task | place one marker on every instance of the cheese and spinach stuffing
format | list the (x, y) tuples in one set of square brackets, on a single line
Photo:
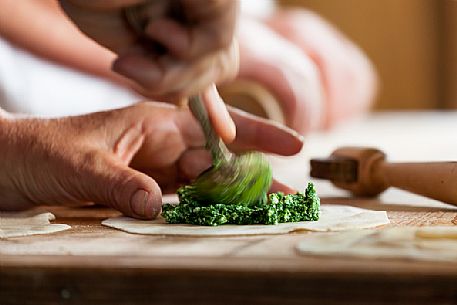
[(273, 209)]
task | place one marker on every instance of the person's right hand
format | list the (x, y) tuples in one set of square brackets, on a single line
[(123, 158), (196, 36)]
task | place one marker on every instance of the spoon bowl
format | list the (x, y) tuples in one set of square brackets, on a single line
[(244, 180), (232, 179)]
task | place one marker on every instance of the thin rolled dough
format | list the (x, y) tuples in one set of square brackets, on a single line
[(17, 224), (332, 218), (414, 243)]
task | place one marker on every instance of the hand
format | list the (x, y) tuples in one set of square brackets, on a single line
[(348, 77), (123, 158), (319, 77), (197, 36)]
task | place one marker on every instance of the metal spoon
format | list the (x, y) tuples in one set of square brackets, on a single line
[(231, 179)]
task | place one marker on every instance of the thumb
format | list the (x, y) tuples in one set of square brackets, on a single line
[(125, 189)]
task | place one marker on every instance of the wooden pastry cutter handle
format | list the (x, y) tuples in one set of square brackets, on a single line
[(365, 172)]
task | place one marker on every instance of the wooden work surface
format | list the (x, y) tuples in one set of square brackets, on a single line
[(92, 264)]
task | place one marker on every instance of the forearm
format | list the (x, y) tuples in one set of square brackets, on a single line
[(10, 198), (40, 27)]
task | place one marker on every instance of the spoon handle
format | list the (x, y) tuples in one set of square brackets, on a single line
[(219, 151)]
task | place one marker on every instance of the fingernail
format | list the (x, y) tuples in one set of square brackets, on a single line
[(153, 207), (138, 203)]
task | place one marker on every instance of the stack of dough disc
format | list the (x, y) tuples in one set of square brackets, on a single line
[(16, 224), (416, 243)]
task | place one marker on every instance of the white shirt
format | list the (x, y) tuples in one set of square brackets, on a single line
[(33, 85)]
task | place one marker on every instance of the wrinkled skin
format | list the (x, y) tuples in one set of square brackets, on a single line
[(83, 159)]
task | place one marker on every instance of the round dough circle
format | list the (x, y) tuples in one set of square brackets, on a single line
[(19, 224), (332, 218)]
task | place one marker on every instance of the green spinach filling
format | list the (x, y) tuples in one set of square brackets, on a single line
[(277, 208)]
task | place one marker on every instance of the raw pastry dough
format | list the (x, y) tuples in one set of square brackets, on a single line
[(333, 218), (418, 243), (15, 224)]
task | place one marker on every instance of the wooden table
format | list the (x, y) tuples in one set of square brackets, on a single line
[(91, 264)]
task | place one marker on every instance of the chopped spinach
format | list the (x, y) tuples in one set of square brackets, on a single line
[(278, 208)]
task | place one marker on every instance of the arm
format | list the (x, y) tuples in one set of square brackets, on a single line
[(40, 27)]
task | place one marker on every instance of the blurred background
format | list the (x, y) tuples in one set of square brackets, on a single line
[(413, 44)]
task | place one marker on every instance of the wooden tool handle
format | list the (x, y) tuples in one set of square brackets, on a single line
[(437, 180), (364, 171)]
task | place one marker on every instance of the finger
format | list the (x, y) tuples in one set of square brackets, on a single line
[(120, 187), (260, 134), (168, 76), (170, 34), (139, 66), (277, 186), (206, 28), (193, 162), (220, 118)]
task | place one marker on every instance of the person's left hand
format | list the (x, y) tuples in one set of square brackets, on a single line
[(123, 158)]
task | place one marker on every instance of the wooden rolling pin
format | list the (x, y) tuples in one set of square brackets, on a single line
[(365, 172)]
